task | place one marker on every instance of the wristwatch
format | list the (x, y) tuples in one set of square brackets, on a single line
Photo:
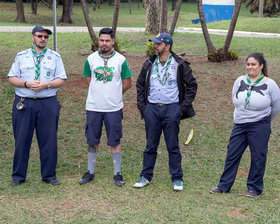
[(49, 85)]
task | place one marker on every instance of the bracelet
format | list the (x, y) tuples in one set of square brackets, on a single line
[(25, 84)]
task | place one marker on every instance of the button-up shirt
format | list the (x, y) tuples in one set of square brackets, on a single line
[(24, 68), (169, 92)]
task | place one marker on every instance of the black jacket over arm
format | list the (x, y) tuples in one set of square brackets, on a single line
[(186, 83)]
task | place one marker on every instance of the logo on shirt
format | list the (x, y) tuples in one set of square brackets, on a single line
[(102, 75), (243, 87)]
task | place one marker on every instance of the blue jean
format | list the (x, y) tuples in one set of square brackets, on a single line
[(256, 136), (166, 119), (42, 115)]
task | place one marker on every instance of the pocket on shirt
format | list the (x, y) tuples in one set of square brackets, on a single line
[(26, 67), (48, 71)]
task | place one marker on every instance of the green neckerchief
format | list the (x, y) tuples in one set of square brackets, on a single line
[(251, 85), (163, 80), (39, 57), (105, 75)]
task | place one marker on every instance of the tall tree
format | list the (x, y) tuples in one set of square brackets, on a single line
[(205, 32), (20, 12), (116, 15), (175, 17), (261, 8), (270, 7), (163, 16), (222, 53), (66, 12), (34, 6), (174, 2), (94, 39), (152, 16)]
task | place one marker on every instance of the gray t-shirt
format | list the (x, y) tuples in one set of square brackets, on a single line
[(264, 100)]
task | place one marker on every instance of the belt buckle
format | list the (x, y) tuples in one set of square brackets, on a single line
[(160, 104), (35, 98)]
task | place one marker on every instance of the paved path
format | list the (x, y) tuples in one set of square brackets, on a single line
[(68, 29)]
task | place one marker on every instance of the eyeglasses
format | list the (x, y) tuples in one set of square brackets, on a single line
[(41, 36)]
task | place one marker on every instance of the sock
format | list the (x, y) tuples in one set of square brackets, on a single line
[(117, 162), (91, 161)]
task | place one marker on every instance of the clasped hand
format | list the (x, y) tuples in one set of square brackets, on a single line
[(37, 85)]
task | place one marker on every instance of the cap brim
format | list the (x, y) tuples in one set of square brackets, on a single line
[(156, 40), (48, 31)]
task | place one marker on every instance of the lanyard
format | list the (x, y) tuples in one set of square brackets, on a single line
[(163, 80)]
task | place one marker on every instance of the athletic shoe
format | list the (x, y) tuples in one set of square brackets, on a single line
[(216, 190), (251, 194), (86, 178), (119, 180), (177, 185), (142, 182)]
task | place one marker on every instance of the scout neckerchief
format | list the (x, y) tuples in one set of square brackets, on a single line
[(163, 80), (39, 57), (251, 85), (105, 64)]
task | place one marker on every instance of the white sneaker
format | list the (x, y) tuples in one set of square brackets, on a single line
[(177, 185), (142, 182)]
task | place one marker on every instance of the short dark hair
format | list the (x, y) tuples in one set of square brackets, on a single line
[(260, 58), (108, 31)]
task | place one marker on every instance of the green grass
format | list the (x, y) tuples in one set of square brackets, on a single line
[(202, 159), (104, 16)]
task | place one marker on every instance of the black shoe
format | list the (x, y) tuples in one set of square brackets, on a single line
[(251, 194), (119, 180), (52, 182), (216, 190), (16, 183), (86, 178)]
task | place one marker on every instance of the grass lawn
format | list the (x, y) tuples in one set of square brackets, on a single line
[(202, 160), (104, 16)]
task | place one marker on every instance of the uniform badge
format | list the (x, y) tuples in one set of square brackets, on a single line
[(48, 73), (170, 82)]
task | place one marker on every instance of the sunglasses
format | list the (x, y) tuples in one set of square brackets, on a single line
[(41, 36)]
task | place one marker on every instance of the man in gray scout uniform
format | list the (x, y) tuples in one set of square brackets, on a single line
[(166, 89), (36, 74)]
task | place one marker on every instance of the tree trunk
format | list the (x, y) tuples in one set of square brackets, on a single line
[(232, 27), (261, 8), (206, 35), (20, 12), (152, 17), (94, 39), (173, 5), (66, 12), (34, 6), (163, 16), (116, 16), (176, 15)]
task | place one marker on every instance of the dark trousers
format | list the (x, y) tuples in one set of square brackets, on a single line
[(42, 115), (256, 136), (166, 119)]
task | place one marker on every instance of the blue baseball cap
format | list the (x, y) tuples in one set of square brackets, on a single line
[(163, 37), (40, 28)]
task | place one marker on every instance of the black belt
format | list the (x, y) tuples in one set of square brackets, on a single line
[(36, 98), (160, 104)]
